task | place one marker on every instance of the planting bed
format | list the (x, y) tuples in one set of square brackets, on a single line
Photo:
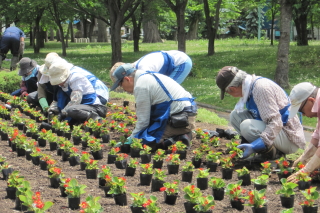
[(40, 182)]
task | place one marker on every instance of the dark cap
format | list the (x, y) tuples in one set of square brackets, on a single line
[(118, 74), (224, 78)]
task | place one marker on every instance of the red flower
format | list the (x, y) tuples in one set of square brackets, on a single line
[(162, 189)]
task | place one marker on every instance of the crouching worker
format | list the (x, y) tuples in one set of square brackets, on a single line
[(28, 70), (305, 98), (77, 98), (165, 110), (265, 122)]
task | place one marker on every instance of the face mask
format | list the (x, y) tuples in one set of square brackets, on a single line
[(33, 74)]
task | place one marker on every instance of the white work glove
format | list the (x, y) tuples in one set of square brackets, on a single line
[(21, 48), (313, 164), (308, 153)]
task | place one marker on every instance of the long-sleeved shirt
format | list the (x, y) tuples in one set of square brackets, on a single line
[(148, 92), (270, 98), (316, 108)]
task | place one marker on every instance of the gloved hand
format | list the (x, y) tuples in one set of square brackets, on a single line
[(313, 164), (308, 153), (128, 141), (62, 116), (44, 104), (21, 48), (54, 108), (25, 93), (255, 146)]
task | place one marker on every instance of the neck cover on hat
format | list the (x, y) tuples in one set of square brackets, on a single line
[(245, 92), (33, 74)]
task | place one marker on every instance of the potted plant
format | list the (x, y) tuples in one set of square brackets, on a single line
[(22, 189), (76, 134), (104, 134), (92, 169), (170, 192), (227, 170), (52, 139), (84, 159), (198, 132), (146, 174), (121, 160), (304, 181), (50, 164), (179, 148), (244, 175), (112, 155), (202, 179), (260, 182), (151, 205), (214, 141), (74, 157), (257, 201), (66, 147), (91, 205), (108, 184), (218, 186), (266, 168), (96, 129), (96, 148), (310, 195), (187, 172), (285, 169), (34, 202), (6, 170), (205, 204), (135, 148), (192, 194), (173, 163), (213, 160), (13, 182), (64, 182), (235, 191), (56, 175), (84, 139), (118, 190), (158, 180), (42, 139), (105, 170), (74, 190), (286, 193), (197, 158), (138, 199), (131, 167), (145, 154), (43, 162), (158, 158)]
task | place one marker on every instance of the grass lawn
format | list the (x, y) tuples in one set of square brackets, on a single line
[(252, 56)]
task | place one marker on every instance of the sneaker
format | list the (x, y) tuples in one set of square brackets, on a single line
[(185, 139), (168, 142)]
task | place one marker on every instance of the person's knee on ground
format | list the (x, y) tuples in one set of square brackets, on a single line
[(184, 138), (82, 115)]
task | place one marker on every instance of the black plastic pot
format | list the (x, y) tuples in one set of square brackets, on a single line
[(227, 173), (63, 191), (59, 133), (137, 209), (20, 126), (170, 199), (111, 159), (84, 144), (83, 166), (246, 179), (125, 103), (259, 186), (35, 160), (186, 176), (105, 138), (43, 165), (29, 134), (281, 175), (218, 194), (157, 164), (28, 156), (121, 164), (42, 142), (74, 160), (309, 209), (182, 154), (106, 189), (11, 192), (145, 158), (102, 182), (55, 182), (59, 151), (125, 148), (65, 156), (74, 203), (130, 171), (35, 136), (202, 183), (121, 199), (287, 202), (98, 155), (19, 205), (135, 153), (145, 179), (196, 163), (4, 136), (302, 185), (67, 135), (173, 169), (212, 166), (189, 207), (53, 146), (156, 185), (237, 204), (91, 173), (21, 152), (14, 147), (263, 209), (76, 140)]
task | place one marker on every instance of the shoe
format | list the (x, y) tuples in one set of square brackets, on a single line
[(168, 142), (221, 132), (243, 140), (185, 139), (230, 134), (45, 126), (270, 155), (211, 133)]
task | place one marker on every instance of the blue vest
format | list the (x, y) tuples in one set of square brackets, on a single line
[(253, 109), (168, 64), (159, 116)]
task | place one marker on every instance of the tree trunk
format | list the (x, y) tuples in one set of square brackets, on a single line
[(282, 70), (51, 34), (193, 29), (91, 26), (272, 26), (63, 44), (136, 32), (71, 31), (36, 47), (31, 36), (181, 24), (42, 38), (58, 35), (302, 33), (150, 23), (102, 31)]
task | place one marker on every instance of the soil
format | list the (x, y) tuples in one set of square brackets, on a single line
[(40, 182)]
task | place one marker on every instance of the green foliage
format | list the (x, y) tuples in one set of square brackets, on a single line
[(207, 116), (287, 188), (9, 81), (74, 189)]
